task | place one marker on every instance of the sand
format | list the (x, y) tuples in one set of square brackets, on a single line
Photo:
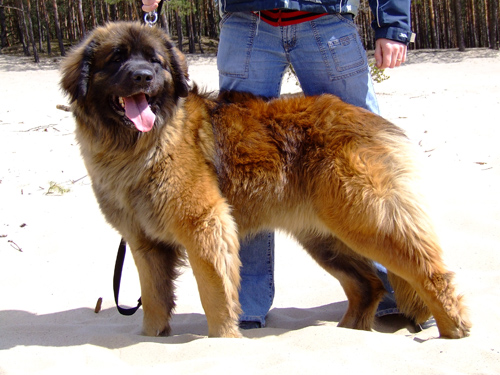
[(57, 252)]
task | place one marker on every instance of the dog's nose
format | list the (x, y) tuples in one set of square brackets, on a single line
[(142, 76)]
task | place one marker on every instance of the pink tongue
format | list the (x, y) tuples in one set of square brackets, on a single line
[(138, 111)]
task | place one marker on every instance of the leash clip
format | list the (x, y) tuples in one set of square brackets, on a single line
[(151, 18)]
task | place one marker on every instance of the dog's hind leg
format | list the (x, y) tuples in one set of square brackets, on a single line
[(157, 265), (405, 242), (356, 274), (408, 301), (377, 213)]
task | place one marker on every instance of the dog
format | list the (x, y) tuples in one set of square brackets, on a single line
[(177, 172)]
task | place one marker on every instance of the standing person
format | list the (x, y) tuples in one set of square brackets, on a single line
[(318, 38)]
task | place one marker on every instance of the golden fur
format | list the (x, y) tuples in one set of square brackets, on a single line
[(212, 170)]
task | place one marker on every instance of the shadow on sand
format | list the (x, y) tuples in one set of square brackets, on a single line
[(110, 330)]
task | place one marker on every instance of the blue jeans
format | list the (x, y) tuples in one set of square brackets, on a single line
[(328, 57), (257, 277), (326, 54)]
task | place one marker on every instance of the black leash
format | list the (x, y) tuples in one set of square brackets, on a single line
[(160, 6), (120, 258)]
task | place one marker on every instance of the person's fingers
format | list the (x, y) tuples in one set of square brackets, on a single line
[(387, 58), (149, 8), (401, 55), (383, 53), (378, 56), (392, 54), (149, 5), (389, 54)]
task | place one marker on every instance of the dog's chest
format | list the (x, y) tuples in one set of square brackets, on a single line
[(117, 183)]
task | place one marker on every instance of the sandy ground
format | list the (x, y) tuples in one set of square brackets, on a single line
[(57, 252)]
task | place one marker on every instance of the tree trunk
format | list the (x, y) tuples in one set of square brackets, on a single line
[(493, 23), (136, 12), (47, 25), (104, 11), (163, 19), (81, 22), (70, 16), (434, 37), (57, 26), (190, 30), (23, 30), (178, 24), (107, 12), (459, 29), (3, 28), (198, 26), (113, 12), (414, 23), (39, 24), (31, 35), (473, 23), (447, 24), (212, 24), (93, 14), (482, 27)]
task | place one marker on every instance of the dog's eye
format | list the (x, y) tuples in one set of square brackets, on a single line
[(118, 56), (155, 60)]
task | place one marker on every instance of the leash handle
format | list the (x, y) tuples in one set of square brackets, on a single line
[(120, 259), (152, 17)]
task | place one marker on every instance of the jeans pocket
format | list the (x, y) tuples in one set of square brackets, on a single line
[(224, 18), (235, 44), (348, 54)]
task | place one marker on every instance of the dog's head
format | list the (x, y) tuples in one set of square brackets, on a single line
[(126, 73)]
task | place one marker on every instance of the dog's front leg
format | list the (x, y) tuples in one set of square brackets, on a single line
[(212, 246), (157, 264)]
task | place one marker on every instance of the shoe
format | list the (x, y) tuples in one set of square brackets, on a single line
[(387, 306), (250, 325)]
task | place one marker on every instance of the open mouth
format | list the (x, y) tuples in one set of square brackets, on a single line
[(137, 109)]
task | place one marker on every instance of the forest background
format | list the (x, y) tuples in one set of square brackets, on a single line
[(50, 27)]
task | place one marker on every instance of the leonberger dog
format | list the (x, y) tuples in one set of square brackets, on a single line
[(177, 172)]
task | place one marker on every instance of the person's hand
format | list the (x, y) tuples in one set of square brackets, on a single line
[(388, 53), (149, 5)]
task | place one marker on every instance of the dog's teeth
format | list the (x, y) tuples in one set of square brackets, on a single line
[(121, 101)]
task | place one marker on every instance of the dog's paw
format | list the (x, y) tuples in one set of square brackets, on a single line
[(227, 332), (156, 331), (461, 330)]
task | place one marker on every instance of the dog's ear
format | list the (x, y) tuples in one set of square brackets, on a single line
[(179, 69), (76, 70)]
